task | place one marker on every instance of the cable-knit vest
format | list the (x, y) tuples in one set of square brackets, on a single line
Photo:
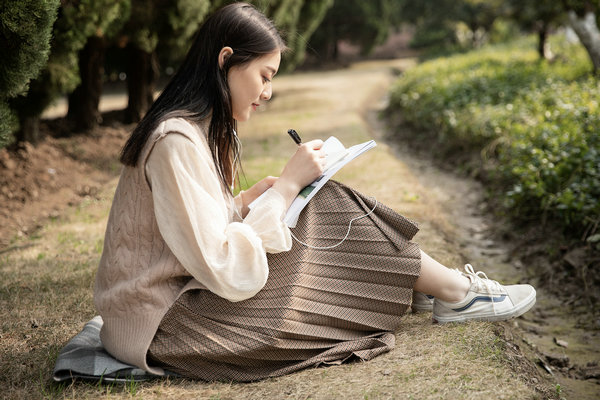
[(138, 278)]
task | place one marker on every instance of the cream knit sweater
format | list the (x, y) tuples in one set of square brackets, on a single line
[(173, 228)]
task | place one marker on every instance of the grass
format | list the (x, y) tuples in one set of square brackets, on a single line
[(46, 288)]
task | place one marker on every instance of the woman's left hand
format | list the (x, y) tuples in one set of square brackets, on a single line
[(248, 196)]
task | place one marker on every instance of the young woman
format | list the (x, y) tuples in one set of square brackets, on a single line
[(193, 281)]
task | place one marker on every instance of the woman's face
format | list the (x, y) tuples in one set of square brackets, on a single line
[(249, 84)]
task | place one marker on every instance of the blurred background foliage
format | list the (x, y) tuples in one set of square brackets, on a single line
[(73, 47), (512, 82)]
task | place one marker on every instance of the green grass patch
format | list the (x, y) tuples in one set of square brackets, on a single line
[(531, 125)]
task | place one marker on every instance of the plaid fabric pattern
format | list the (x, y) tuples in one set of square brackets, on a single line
[(318, 306)]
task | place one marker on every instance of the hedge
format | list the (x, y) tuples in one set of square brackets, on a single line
[(534, 125)]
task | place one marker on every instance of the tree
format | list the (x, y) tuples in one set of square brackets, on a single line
[(479, 16), (151, 30), (109, 17), (438, 22), (539, 17), (583, 17), (25, 31), (434, 21), (167, 24), (77, 20), (364, 23), (298, 20)]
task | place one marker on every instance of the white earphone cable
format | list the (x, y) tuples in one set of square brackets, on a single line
[(345, 237), (235, 170)]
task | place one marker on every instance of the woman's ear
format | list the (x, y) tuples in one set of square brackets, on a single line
[(224, 54)]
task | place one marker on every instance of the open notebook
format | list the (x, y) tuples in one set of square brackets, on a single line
[(336, 157)]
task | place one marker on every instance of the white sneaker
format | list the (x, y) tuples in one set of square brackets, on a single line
[(421, 302), (487, 300)]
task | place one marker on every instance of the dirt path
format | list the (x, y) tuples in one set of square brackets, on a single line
[(559, 337), (475, 360)]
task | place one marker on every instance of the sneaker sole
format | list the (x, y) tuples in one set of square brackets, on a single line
[(514, 313)]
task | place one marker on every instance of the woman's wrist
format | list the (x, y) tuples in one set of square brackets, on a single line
[(254, 192), (288, 189)]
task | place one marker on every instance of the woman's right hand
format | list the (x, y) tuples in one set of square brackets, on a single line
[(304, 167)]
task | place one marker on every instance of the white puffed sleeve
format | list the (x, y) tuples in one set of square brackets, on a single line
[(227, 257)]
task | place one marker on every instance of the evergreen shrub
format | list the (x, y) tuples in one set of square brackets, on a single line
[(25, 32)]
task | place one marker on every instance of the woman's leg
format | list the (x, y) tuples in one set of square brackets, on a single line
[(440, 281)]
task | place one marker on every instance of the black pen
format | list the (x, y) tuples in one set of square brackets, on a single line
[(295, 137)]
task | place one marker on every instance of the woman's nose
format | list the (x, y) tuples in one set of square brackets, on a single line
[(267, 92)]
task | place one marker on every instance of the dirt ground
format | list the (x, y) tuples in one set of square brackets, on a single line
[(55, 199), (37, 183)]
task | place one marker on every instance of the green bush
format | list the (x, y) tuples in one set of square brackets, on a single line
[(535, 125), (25, 32)]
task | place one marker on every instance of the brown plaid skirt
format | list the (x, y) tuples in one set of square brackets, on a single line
[(318, 305)]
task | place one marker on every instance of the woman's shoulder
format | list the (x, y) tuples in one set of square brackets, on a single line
[(178, 139), (181, 125), (180, 136), (180, 128)]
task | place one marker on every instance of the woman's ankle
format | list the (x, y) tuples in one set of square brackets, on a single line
[(456, 292)]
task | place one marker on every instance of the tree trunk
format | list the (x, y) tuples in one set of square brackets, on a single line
[(330, 43), (30, 129), (142, 73), (83, 102), (335, 50), (542, 39), (587, 30)]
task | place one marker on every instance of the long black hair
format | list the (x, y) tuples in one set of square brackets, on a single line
[(199, 89)]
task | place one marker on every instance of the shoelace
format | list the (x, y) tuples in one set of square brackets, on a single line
[(481, 278)]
